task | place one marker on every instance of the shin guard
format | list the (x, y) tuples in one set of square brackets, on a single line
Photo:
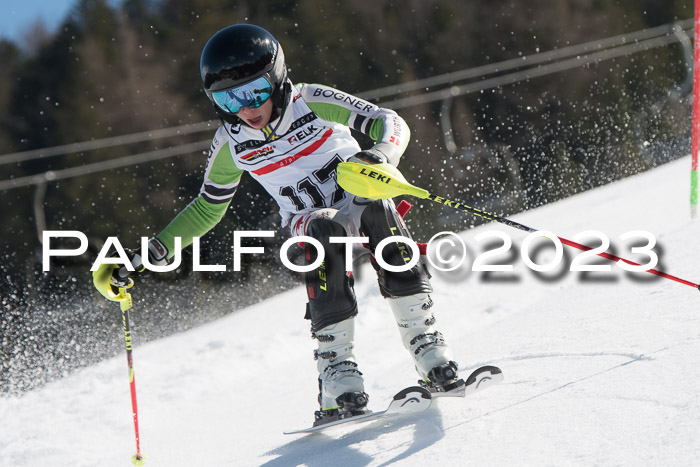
[(329, 287), (379, 221)]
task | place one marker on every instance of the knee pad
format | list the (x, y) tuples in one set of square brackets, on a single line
[(380, 220), (329, 287)]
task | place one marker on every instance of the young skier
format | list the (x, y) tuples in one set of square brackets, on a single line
[(291, 139)]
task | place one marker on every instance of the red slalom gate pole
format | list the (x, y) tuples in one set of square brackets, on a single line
[(695, 145)]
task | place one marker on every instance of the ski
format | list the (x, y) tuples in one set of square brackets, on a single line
[(418, 399), (479, 379), (410, 400)]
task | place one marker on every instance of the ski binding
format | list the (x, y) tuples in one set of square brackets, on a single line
[(412, 399), (480, 378)]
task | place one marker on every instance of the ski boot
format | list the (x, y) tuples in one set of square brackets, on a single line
[(433, 359), (341, 387)]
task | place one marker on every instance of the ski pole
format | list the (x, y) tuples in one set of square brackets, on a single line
[(382, 181), (124, 299)]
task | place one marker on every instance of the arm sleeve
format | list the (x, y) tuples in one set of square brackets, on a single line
[(386, 128), (221, 179)]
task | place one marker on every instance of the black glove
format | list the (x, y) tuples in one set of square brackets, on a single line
[(120, 275), (157, 256), (369, 157)]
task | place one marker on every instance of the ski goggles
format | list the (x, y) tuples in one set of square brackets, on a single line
[(251, 95)]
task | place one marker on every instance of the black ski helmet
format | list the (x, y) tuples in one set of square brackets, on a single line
[(239, 54)]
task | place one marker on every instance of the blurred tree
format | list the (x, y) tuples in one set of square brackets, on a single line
[(9, 61)]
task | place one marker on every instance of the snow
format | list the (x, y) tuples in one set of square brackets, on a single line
[(596, 372)]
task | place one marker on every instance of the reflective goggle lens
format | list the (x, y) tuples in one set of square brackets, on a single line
[(252, 95)]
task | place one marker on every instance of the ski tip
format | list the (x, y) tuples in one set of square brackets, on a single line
[(494, 370), (485, 373), (413, 391)]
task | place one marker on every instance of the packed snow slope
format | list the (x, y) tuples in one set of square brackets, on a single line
[(599, 370)]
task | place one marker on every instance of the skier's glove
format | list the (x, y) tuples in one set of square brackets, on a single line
[(157, 256), (369, 157)]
